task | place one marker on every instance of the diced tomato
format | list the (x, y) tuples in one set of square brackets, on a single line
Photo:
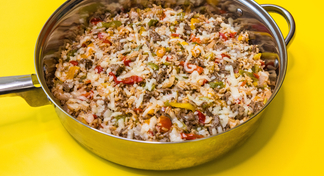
[(201, 117), (151, 132), (75, 63), (222, 11), (237, 101), (256, 75), (95, 21), (98, 69), (193, 38), (198, 68), (168, 58), (138, 110), (262, 63), (232, 34), (175, 35), (95, 116), (126, 61), (223, 36), (190, 136), (101, 36), (165, 123)]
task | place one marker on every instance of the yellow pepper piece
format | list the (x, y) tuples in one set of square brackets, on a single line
[(257, 56), (161, 52), (141, 30), (72, 71), (184, 106), (184, 43), (195, 51), (192, 23), (240, 38)]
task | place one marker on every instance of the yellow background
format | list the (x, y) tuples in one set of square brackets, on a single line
[(289, 140)]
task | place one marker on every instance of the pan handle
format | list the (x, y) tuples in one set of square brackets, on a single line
[(287, 15), (12, 84), (25, 86)]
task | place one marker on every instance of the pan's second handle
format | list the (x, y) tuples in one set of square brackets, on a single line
[(25, 86), (289, 18), (13, 84)]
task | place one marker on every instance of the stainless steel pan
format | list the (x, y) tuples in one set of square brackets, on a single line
[(65, 24)]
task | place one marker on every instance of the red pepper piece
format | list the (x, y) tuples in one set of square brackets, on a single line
[(101, 36), (138, 110), (175, 35), (225, 55), (115, 77), (190, 136), (132, 80), (98, 69), (75, 63), (256, 75), (88, 95), (222, 11), (204, 82), (95, 21), (129, 80), (232, 34), (243, 83), (163, 15), (201, 117), (223, 36), (95, 116), (126, 61)]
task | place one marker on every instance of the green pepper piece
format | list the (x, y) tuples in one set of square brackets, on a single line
[(166, 63), (120, 117), (180, 46), (219, 84), (153, 54), (152, 22), (242, 72), (138, 47), (256, 69), (69, 54), (167, 49), (83, 77), (181, 15), (153, 66), (172, 28), (114, 24), (209, 56)]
